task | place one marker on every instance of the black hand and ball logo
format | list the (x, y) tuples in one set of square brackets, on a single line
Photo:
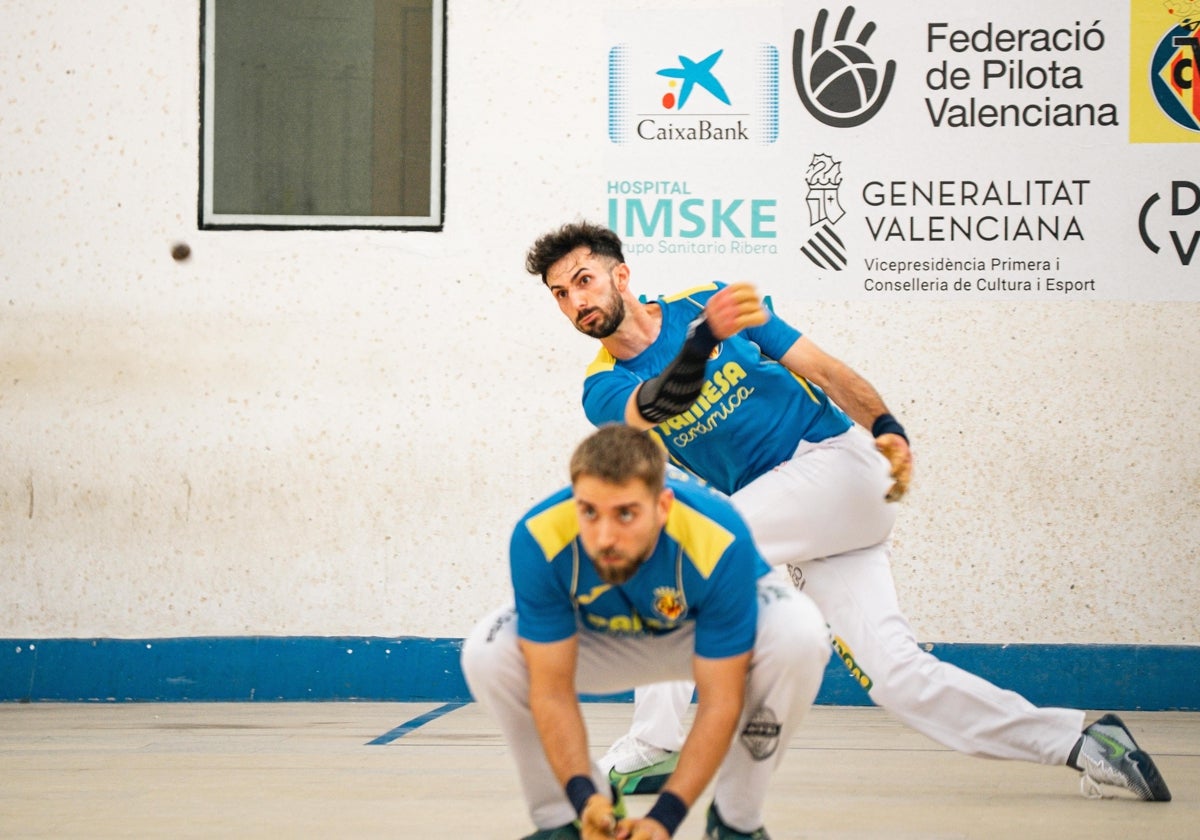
[(838, 82)]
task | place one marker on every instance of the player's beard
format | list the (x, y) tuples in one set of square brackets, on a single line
[(617, 575), (613, 313)]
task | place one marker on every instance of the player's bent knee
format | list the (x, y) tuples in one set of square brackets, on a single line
[(798, 633), (474, 664), (809, 622), (490, 653), (814, 647)]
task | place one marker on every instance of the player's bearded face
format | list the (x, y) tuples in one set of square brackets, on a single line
[(601, 319), (619, 524), (587, 291), (616, 567)]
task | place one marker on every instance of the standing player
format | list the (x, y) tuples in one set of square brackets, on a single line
[(626, 577), (739, 398)]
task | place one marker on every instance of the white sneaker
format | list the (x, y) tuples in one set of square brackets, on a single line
[(635, 766)]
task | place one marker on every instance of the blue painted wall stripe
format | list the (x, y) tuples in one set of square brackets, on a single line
[(418, 669), (416, 723)]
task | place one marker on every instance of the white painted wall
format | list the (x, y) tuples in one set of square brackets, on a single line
[(332, 433)]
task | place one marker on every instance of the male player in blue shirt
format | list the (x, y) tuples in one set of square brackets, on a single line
[(628, 577), (738, 397)]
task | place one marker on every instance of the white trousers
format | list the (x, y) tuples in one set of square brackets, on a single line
[(791, 650), (823, 515)]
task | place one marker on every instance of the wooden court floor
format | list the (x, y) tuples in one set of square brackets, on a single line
[(413, 770)]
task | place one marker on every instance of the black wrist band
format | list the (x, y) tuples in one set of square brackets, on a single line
[(668, 810), (700, 339), (886, 424), (579, 790)]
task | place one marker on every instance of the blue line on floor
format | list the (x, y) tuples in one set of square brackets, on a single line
[(404, 728)]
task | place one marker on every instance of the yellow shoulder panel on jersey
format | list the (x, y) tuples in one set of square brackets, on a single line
[(604, 361), (703, 540), (707, 287), (554, 528)]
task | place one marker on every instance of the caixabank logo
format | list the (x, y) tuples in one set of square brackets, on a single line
[(1164, 72), (660, 93), (839, 82)]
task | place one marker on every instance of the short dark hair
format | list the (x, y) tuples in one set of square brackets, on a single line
[(553, 246), (616, 453)]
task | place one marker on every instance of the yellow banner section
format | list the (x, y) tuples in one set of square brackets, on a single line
[(1164, 85)]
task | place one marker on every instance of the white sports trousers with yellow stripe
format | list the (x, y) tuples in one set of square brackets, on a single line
[(823, 514)]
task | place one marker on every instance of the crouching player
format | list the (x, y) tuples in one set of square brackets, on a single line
[(628, 577)]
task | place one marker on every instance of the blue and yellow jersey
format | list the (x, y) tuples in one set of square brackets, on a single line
[(703, 570), (752, 413)]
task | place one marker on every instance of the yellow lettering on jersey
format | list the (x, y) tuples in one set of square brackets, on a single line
[(733, 374), (625, 624), (554, 528), (711, 393), (704, 540)]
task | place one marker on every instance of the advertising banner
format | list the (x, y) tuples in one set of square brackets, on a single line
[(909, 151)]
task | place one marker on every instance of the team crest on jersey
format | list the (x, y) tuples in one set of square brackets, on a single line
[(667, 603)]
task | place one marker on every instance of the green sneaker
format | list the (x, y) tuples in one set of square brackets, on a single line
[(636, 767), (714, 829)]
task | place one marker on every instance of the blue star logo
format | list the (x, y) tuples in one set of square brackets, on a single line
[(696, 73)]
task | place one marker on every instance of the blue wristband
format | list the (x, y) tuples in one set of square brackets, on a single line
[(886, 424), (669, 811), (579, 790)]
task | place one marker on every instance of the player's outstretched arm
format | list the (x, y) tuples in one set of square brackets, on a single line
[(858, 398), (730, 310)]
